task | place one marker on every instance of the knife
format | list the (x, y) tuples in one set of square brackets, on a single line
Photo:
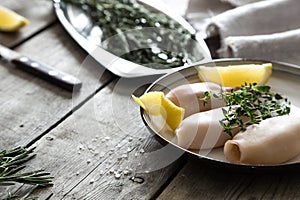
[(64, 80)]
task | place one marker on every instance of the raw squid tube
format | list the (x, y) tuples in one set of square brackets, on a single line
[(187, 97), (202, 130), (272, 141)]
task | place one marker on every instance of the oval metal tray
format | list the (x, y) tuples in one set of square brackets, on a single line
[(285, 80), (89, 37)]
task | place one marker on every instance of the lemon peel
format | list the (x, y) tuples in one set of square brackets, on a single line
[(155, 103), (173, 114), (236, 75), (150, 102), (11, 21)]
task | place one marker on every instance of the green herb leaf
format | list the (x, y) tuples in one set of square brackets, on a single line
[(12, 162), (253, 102), (114, 17)]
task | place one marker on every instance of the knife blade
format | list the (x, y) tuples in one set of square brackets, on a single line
[(59, 78)]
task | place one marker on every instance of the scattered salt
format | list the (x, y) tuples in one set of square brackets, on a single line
[(126, 172), (94, 140), (117, 175), (81, 147), (101, 154), (142, 151)]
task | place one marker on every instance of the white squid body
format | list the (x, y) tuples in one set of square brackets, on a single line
[(272, 141), (187, 97), (202, 130)]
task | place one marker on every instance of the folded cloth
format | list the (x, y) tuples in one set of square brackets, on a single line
[(257, 29), (268, 30), (264, 17), (282, 47), (240, 2), (199, 11)]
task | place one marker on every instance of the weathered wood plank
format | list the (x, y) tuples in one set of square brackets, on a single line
[(39, 13), (31, 105), (93, 156), (199, 180)]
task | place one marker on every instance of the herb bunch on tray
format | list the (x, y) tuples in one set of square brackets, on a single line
[(167, 44), (251, 101)]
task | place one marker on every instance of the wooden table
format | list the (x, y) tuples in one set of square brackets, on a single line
[(93, 142)]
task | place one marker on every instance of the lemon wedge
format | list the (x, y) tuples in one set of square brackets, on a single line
[(171, 113), (155, 103), (236, 75), (150, 102), (11, 21)]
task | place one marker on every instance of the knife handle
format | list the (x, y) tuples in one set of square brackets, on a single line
[(53, 75)]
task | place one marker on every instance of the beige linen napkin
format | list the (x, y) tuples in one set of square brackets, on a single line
[(198, 11), (241, 2), (263, 17), (284, 47), (261, 29), (266, 29)]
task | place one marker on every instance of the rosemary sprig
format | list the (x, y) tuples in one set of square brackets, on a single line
[(12, 162), (251, 102)]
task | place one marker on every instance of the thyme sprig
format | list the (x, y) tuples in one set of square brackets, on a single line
[(250, 104)]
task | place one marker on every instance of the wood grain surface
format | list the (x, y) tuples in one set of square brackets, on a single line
[(202, 180), (94, 142), (92, 156), (34, 105)]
